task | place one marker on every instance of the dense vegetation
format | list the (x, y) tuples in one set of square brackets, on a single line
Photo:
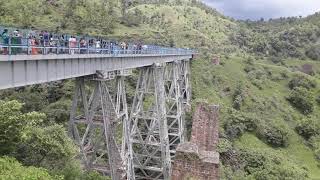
[(267, 85)]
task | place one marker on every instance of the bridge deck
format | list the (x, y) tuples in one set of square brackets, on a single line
[(22, 70)]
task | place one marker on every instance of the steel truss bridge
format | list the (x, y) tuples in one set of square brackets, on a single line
[(136, 142)]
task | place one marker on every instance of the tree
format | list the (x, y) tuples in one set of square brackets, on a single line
[(11, 169), (302, 99), (302, 81), (239, 96), (13, 124), (47, 147), (58, 112), (23, 136), (308, 127), (274, 134), (313, 52)]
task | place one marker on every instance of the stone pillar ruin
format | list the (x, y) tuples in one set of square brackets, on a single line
[(198, 159)]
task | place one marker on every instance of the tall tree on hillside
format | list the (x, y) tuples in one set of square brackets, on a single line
[(124, 7), (71, 6)]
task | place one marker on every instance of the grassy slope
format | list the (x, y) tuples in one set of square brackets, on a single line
[(187, 26), (229, 75)]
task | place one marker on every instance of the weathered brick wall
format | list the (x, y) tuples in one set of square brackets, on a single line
[(193, 164), (198, 160), (205, 130)]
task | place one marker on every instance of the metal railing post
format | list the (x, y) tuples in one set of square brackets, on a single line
[(9, 45), (28, 47)]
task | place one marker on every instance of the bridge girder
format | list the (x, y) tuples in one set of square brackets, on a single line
[(146, 145)]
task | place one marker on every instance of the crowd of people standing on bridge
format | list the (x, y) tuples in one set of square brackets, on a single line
[(43, 42)]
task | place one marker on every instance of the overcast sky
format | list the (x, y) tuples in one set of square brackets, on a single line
[(255, 9)]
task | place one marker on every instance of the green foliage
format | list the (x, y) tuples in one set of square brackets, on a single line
[(239, 96), (10, 169), (73, 171), (224, 145), (308, 127), (274, 134), (318, 100), (238, 122), (280, 37), (58, 112), (47, 147), (97, 17), (227, 173), (13, 124), (315, 144), (55, 91), (23, 137), (302, 81), (314, 52), (268, 166), (276, 60), (34, 98), (302, 99), (132, 18)]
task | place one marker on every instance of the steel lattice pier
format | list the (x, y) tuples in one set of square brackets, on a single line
[(136, 146)]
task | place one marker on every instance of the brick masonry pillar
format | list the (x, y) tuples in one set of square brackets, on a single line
[(205, 129), (198, 160)]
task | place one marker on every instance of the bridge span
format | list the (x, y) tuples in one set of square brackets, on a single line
[(22, 70), (136, 145)]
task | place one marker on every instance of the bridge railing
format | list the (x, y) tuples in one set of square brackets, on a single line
[(17, 45)]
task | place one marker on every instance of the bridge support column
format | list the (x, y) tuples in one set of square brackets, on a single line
[(158, 119), (145, 148), (94, 123), (174, 105), (149, 132), (185, 83)]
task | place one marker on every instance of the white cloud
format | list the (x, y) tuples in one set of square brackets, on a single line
[(254, 9)]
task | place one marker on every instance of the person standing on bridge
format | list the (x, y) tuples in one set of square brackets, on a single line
[(111, 47), (98, 46), (139, 46), (45, 41), (33, 42), (72, 44), (123, 47), (83, 45), (15, 42), (5, 37)]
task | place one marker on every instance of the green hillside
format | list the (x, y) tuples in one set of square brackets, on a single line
[(267, 84)]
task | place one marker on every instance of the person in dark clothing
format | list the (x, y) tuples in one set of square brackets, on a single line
[(5, 37), (83, 46), (46, 40), (15, 41)]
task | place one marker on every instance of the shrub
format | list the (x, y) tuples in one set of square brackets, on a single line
[(274, 135), (301, 81), (12, 169), (315, 144), (48, 147), (308, 127), (302, 99), (276, 60), (238, 123), (239, 96), (318, 100), (224, 145), (313, 53), (13, 124), (58, 112), (265, 166)]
